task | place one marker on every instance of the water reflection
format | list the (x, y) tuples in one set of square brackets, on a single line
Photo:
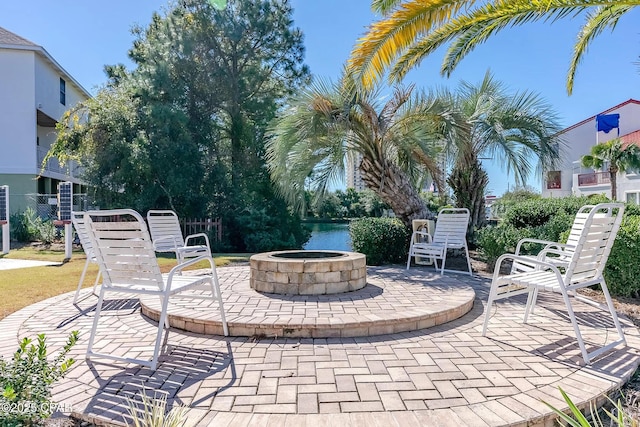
[(329, 236)]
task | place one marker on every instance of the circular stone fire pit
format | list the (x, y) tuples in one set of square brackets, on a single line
[(308, 272)]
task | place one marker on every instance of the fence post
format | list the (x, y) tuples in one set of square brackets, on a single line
[(4, 218), (65, 205)]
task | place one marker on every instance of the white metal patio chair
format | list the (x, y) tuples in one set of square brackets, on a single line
[(585, 268), (127, 260), (164, 227), (450, 233), (77, 218)]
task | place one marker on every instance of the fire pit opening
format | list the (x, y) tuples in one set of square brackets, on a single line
[(307, 254), (308, 272)]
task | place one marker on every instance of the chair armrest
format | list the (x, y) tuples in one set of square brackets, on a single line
[(170, 239), (178, 268), (550, 250), (533, 262), (547, 243), (195, 236)]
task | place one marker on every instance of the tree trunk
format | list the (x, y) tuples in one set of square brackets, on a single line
[(469, 181), (394, 188), (613, 176)]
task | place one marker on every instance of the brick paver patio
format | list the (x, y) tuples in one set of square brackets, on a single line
[(444, 375)]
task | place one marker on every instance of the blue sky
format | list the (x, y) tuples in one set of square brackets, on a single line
[(83, 36)]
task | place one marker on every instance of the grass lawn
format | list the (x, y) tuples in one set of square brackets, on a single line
[(24, 286)]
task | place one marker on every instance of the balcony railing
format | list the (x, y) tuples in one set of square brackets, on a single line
[(593, 178), (53, 165)]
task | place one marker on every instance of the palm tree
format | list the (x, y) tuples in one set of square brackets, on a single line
[(616, 156), (413, 29), (393, 143), (519, 130)]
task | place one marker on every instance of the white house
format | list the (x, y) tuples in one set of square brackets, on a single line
[(35, 91), (571, 178)]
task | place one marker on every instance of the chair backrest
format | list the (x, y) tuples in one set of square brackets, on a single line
[(451, 226), (123, 249), (77, 218), (594, 244), (578, 226), (165, 230)]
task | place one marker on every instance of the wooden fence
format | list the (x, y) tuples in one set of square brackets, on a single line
[(212, 227)]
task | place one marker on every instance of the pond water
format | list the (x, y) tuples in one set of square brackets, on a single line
[(329, 236)]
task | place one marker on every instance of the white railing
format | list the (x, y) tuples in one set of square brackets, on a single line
[(70, 168)]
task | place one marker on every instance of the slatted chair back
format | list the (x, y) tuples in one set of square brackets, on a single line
[(165, 230), (594, 245), (77, 219), (451, 227), (124, 250)]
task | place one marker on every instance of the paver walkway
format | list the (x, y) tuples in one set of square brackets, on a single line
[(444, 375), (10, 264)]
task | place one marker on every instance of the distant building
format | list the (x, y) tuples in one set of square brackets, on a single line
[(35, 91), (571, 178), (354, 178)]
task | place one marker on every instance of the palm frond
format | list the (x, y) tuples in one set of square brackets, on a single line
[(384, 6), (389, 38), (410, 34), (597, 21)]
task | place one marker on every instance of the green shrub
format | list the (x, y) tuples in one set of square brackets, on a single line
[(555, 227), (623, 267), (382, 240), (29, 227), (494, 241), (26, 381), (537, 212)]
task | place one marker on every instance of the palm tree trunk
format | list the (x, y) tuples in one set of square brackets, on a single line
[(613, 176), (395, 189), (469, 181)]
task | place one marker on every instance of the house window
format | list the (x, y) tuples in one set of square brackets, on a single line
[(63, 91), (633, 198), (554, 181)]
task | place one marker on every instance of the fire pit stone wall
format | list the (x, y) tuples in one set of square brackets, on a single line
[(308, 272)]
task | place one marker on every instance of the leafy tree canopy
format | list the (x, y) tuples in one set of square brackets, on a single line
[(185, 128)]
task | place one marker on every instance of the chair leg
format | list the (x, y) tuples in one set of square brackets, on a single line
[(612, 311), (162, 324), (576, 329), (487, 312), (444, 260), (95, 284), (409, 257), (95, 322), (466, 249), (84, 272), (532, 296), (215, 289)]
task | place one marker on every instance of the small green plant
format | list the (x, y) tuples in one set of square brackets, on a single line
[(152, 411), (382, 240), (618, 416), (29, 227), (26, 381)]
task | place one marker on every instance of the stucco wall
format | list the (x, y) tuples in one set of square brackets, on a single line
[(17, 112)]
